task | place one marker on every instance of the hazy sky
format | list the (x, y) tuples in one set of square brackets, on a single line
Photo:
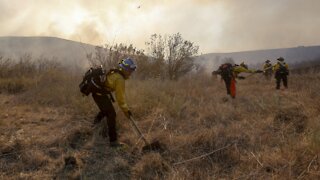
[(214, 25)]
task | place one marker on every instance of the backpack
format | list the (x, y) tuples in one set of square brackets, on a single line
[(93, 81), (226, 70), (282, 69)]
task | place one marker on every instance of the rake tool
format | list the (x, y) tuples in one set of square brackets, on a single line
[(154, 146)]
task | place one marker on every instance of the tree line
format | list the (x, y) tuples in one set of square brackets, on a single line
[(166, 57)]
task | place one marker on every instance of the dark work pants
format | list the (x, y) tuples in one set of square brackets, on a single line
[(106, 110), (227, 81), (283, 78)]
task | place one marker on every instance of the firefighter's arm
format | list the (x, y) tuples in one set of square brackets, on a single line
[(265, 67), (120, 95), (242, 69), (237, 70), (216, 72)]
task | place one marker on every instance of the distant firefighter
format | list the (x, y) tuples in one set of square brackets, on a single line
[(281, 70), (229, 73), (226, 72), (267, 70)]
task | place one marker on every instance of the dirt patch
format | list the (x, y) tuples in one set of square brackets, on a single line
[(17, 157), (77, 137), (70, 168), (151, 166), (7, 148), (10, 153), (33, 160), (225, 155), (291, 120), (70, 162), (156, 146), (54, 153)]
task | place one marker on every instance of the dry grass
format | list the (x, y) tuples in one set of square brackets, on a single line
[(45, 130)]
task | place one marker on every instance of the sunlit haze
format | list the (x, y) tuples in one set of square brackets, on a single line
[(214, 25)]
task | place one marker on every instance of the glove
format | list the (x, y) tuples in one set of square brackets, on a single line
[(216, 72), (128, 114)]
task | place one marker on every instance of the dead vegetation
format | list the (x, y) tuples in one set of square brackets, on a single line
[(45, 130)]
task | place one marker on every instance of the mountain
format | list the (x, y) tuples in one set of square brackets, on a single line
[(49, 47), (257, 57), (72, 51)]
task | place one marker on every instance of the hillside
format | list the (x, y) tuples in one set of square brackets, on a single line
[(67, 50), (46, 129), (292, 56), (64, 50)]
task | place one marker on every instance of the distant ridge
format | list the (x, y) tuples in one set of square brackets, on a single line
[(75, 52), (63, 49), (291, 55)]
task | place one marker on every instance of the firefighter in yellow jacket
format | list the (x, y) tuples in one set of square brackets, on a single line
[(267, 70), (115, 82), (281, 70)]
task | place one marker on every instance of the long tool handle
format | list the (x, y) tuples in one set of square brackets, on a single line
[(138, 130)]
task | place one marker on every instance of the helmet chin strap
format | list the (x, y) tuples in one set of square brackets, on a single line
[(125, 73)]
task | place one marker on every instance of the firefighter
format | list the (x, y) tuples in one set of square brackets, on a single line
[(115, 82), (267, 70), (281, 70), (230, 72)]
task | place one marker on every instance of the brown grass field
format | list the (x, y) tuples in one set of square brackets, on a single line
[(46, 133)]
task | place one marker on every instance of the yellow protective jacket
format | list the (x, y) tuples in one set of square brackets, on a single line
[(115, 82), (239, 69), (276, 67), (267, 66)]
